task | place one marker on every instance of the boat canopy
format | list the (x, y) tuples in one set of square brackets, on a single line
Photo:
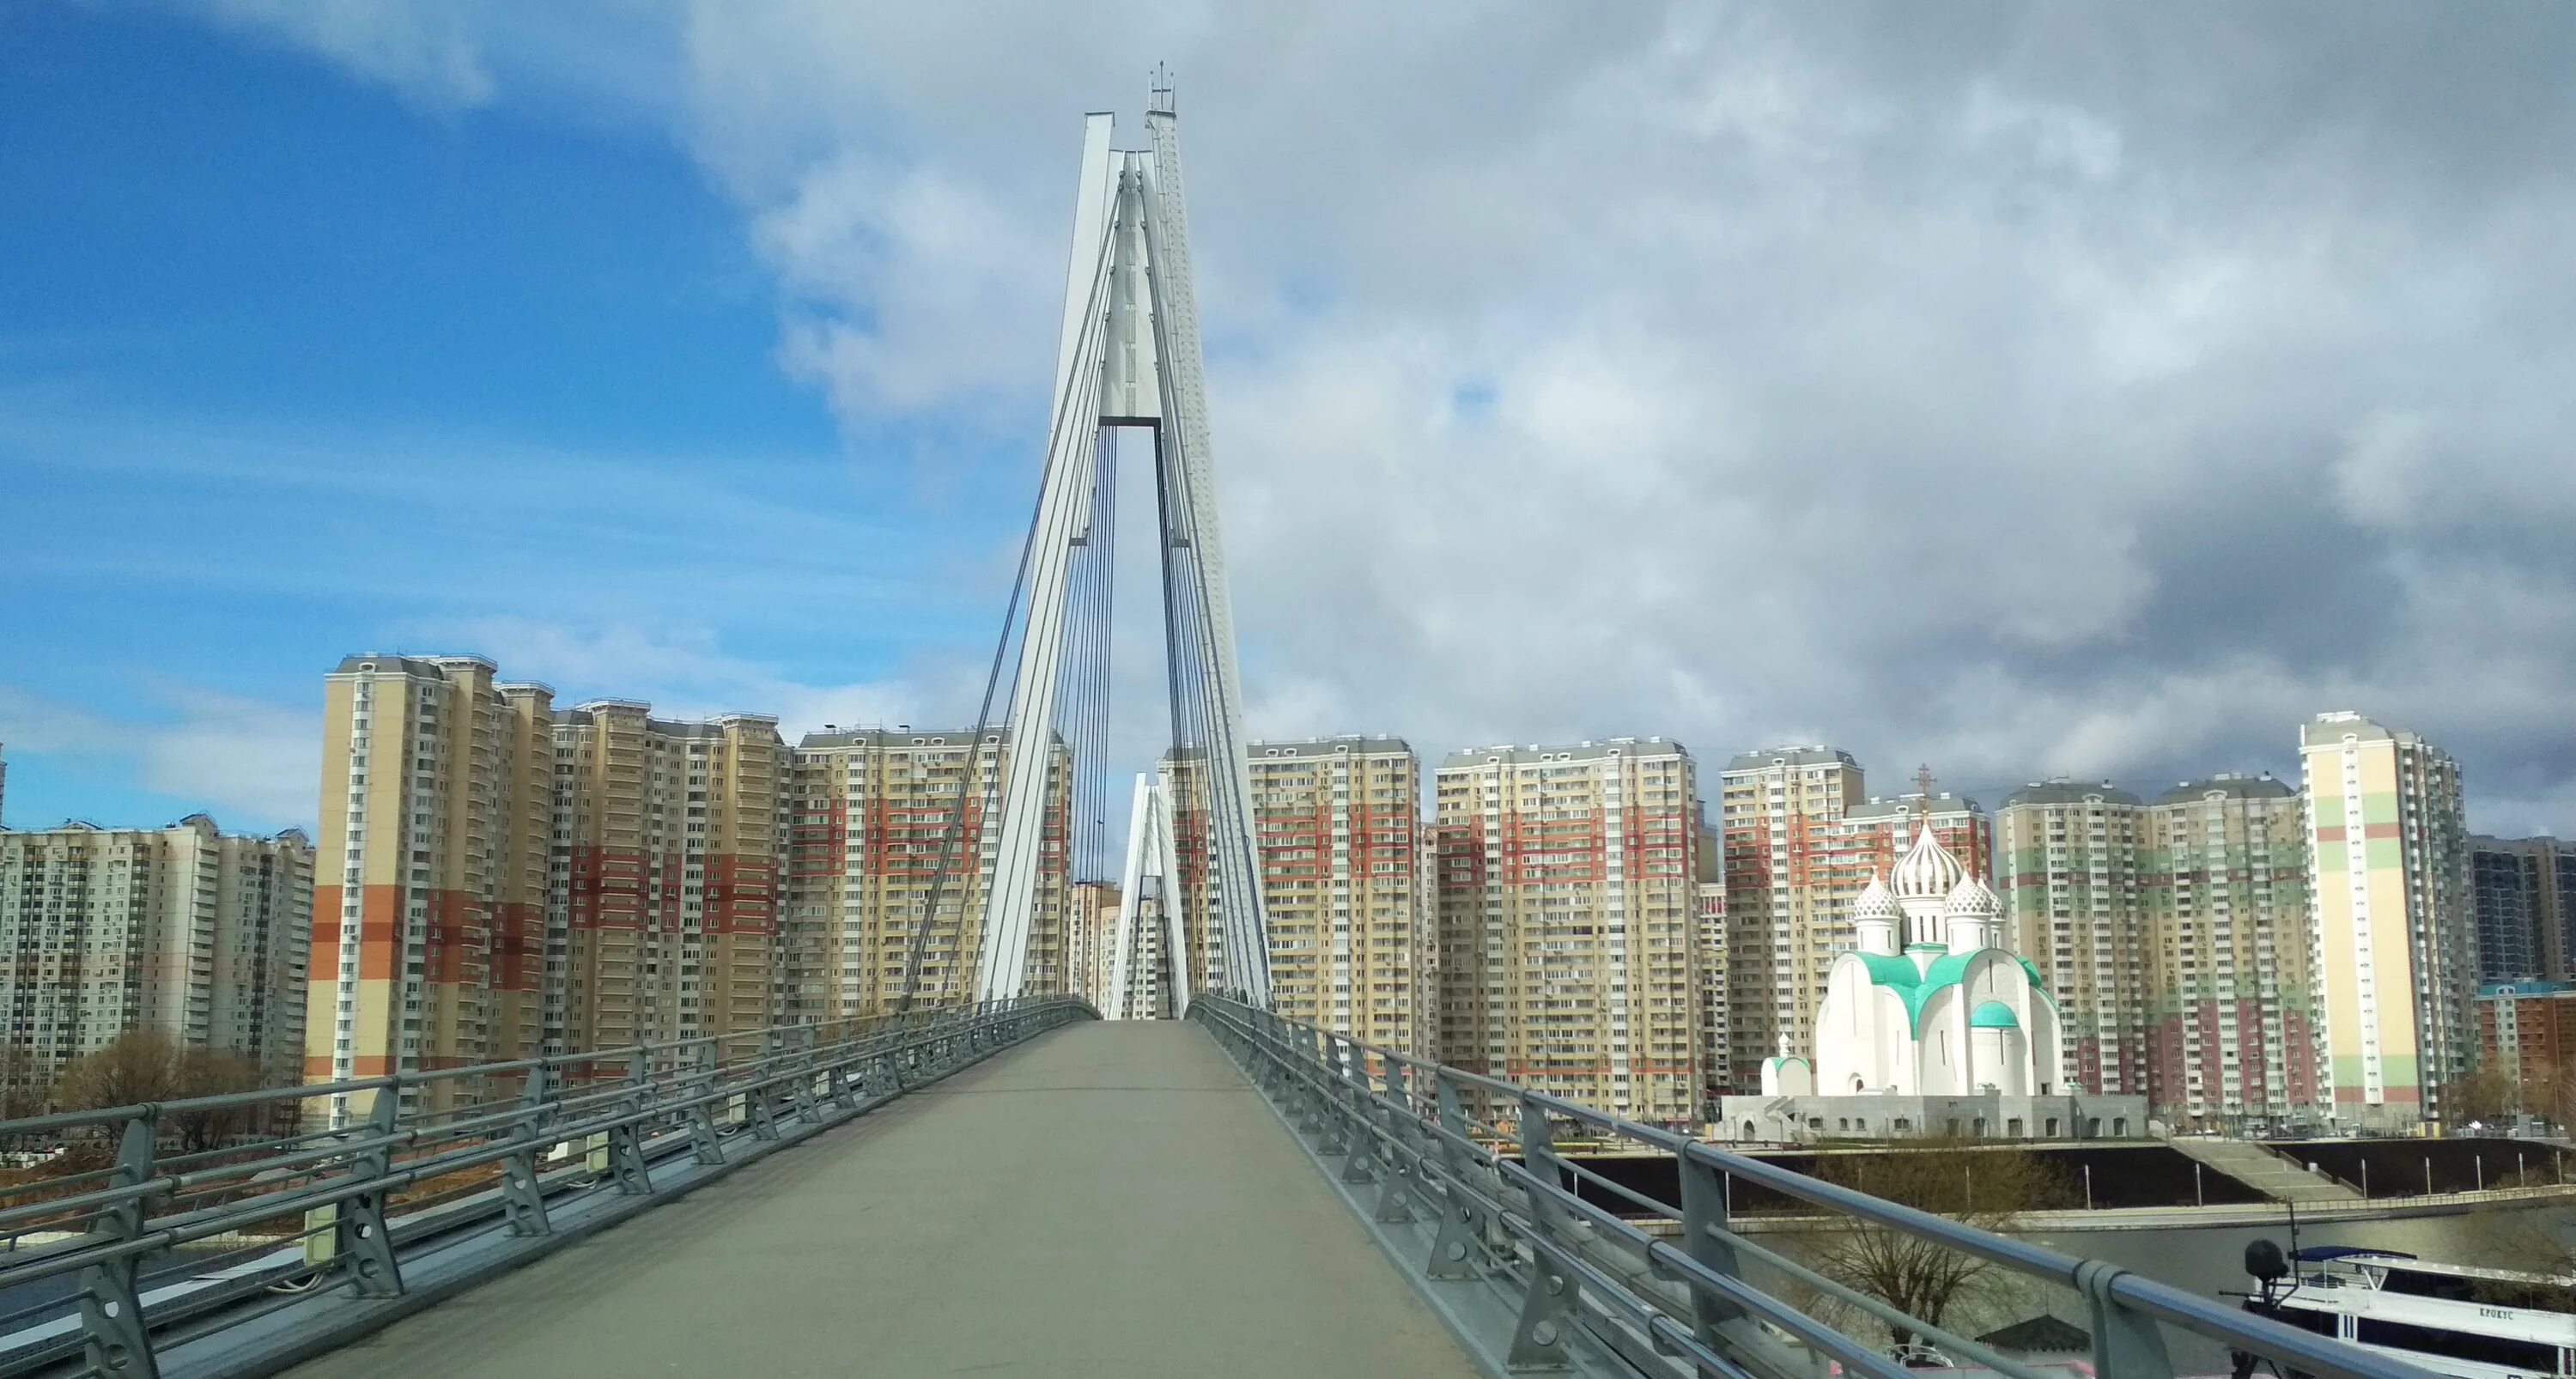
[(2319, 1254)]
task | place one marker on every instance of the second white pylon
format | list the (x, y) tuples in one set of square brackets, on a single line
[(1128, 356)]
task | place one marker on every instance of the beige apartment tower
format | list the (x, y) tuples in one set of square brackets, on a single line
[(1787, 904), (2067, 868), (2388, 896), (1338, 820), (497, 878), (2232, 1034), (199, 934), (1568, 959), (871, 812), (663, 910), (430, 875)]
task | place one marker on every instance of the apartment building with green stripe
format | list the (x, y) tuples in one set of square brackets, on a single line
[(2389, 904)]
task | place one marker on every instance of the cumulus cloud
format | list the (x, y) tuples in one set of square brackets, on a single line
[(427, 53), (682, 672), (251, 764), (2020, 387)]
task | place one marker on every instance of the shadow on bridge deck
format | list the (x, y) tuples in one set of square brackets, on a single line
[(1112, 1199)]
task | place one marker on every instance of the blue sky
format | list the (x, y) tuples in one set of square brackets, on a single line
[(2027, 390), (290, 367)]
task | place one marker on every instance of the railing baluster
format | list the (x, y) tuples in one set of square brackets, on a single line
[(625, 1139), (2126, 1344), (1395, 1202), (521, 1199), (114, 1338), (1459, 1249), (359, 1229)]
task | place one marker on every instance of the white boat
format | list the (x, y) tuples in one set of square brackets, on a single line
[(2457, 1319)]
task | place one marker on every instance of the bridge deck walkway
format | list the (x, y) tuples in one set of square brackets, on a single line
[(1111, 1199)]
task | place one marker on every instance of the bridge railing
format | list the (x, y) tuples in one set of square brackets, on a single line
[(1460, 1177), (486, 1165)]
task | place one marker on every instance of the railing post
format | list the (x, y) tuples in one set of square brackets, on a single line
[(1459, 1249), (837, 1083), (706, 1145), (1404, 1131), (1547, 1308), (521, 1200), (1331, 1137), (1360, 1144), (113, 1337), (359, 1227), (803, 1089), (625, 1140), (1706, 1239), (2126, 1344)]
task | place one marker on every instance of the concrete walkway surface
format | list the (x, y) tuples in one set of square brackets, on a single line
[(1110, 1199)]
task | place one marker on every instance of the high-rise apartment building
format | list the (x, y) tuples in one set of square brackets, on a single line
[(1090, 930), (1787, 907), (2233, 1036), (187, 930), (1568, 953), (498, 878), (1708, 896), (878, 815), (662, 912), (2523, 892), (2388, 893), (1338, 820), (2527, 1030), (2067, 870), (430, 878), (1873, 834)]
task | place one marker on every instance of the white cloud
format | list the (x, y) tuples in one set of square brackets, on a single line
[(2040, 390), (683, 673), (241, 757), (427, 53), (251, 765)]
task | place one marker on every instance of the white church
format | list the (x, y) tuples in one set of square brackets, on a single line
[(1931, 1026)]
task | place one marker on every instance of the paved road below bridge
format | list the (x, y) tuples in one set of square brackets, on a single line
[(1111, 1199)]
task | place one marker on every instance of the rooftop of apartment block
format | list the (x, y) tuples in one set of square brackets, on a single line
[(381, 663), (1812, 755), (2542, 842), (1907, 806), (900, 735), (203, 824), (1510, 754), (712, 727), (1328, 746), (2234, 785), (2330, 729), (2060, 790), (2527, 986)]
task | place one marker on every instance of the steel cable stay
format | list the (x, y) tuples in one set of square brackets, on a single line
[(1075, 400)]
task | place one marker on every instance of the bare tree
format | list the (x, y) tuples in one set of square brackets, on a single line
[(2487, 1094), (21, 1094), (207, 1073), (1924, 1279), (147, 1065), (2548, 1089), (139, 1065)]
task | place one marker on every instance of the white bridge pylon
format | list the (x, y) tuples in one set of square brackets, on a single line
[(1128, 357), (1146, 947)]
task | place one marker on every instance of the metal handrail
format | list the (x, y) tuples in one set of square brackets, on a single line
[(673, 1097), (1399, 1120)]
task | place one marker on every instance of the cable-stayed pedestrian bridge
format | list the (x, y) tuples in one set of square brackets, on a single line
[(1013, 1188)]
